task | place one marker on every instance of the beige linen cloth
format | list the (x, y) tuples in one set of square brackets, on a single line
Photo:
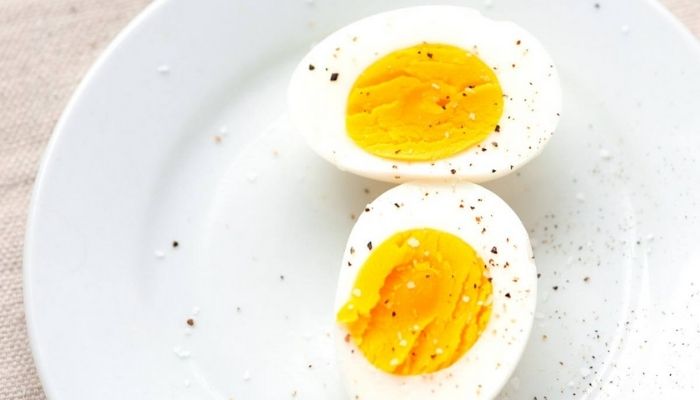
[(46, 46)]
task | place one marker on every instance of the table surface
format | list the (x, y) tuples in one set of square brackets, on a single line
[(46, 46)]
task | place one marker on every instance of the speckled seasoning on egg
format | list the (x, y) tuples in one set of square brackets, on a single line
[(436, 297), (433, 92)]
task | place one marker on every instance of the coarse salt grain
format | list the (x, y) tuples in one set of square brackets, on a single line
[(411, 285), (413, 242), (357, 292), (163, 69)]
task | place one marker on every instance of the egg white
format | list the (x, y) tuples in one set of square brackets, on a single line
[(482, 371), (532, 100)]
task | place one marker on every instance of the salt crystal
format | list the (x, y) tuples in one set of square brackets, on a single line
[(411, 285), (159, 254), (251, 177), (625, 29), (580, 197), (186, 382), (472, 116), (163, 69), (357, 292), (413, 242), (605, 154), (246, 376), (195, 310), (180, 353)]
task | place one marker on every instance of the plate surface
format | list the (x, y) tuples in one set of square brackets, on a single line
[(180, 134)]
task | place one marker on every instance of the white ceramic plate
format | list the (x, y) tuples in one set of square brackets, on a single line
[(179, 133)]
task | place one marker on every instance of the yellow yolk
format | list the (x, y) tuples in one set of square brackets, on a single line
[(420, 301), (424, 103)]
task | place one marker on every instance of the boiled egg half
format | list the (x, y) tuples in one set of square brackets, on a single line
[(436, 294), (431, 92)]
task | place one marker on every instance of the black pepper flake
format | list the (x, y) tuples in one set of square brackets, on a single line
[(175, 244), (597, 6), (393, 313), (508, 295), (397, 205), (453, 171), (367, 209), (555, 287), (494, 250), (334, 77), (281, 277), (430, 55), (493, 171), (518, 42), (586, 279), (539, 275), (311, 67), (190, 322), (498, 128), (369, 245), (352, 250)]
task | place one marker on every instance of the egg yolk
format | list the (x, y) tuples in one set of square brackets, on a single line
[(424, 103), (420, 301)]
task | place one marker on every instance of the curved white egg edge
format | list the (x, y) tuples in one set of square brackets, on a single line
[(486, 367), (321, 118)]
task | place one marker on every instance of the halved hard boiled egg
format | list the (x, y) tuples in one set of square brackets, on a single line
[(432, 92), (436, 294)]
